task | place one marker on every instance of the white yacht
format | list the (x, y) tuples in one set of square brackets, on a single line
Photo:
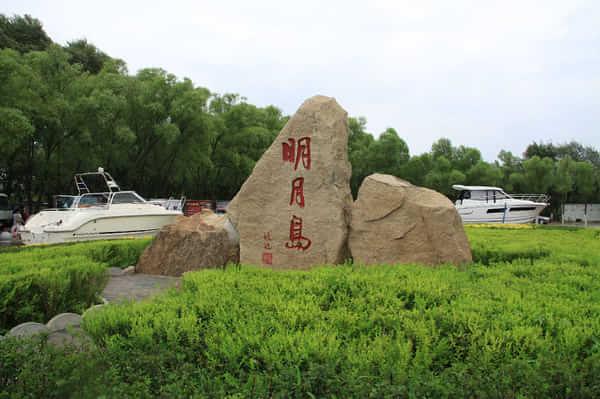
[(483, 204), (96, 215)]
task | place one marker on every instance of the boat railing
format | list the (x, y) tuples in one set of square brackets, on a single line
[(540, 198), (500, 196)]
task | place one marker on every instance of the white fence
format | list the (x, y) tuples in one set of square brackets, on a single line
[(581, 212)]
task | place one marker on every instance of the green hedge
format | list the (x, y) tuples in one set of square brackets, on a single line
[(116, 253), (514, 330), (36, 283), (525, 328), (505, 244)]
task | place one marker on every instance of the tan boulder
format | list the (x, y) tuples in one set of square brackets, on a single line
[(394, 221), (204, 240), (293, 210)]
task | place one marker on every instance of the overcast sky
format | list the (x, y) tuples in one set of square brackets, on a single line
[(490, 76)]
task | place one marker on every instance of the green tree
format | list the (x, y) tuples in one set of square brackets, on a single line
[(585, 181), (359, 143), (387, 154), (443, 148), (417, 168), (23, 34), (540, 150), (54, 119), (242, 132), (564, 180), (85, 54), (538, 174), (485, 174), (443, 176)]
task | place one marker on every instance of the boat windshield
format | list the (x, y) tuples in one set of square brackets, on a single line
[(126, 197), (93, 199), (64, 201)]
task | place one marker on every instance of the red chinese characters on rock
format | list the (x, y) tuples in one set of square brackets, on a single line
[(297, 240), (267, 236), (267, 257), (297, 194), (294, 152)]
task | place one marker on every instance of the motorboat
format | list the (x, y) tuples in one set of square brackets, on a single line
[(484, 204), (93, 215)]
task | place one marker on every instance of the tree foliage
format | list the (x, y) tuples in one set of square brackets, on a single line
[(74, 108), (23, 34)]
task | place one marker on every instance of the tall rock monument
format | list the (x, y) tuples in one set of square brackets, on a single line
[(293, 211)]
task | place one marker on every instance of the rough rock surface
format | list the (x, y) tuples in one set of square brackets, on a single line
[(64, 320), (396, 222), (201, 241), (293, 210), (28, 329)]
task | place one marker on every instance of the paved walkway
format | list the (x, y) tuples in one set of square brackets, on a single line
[(136, 286)]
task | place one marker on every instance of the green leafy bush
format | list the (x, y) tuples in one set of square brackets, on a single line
[(517, 326), (117, 253), (47, 288), (34, 369), (36, 283), (491, 245), (513, 330)]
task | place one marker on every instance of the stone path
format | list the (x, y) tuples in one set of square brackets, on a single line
[(136, 286)]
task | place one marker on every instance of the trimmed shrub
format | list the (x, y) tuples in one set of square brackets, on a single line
[(513, 330), (114, 253), (505, 243), (36, 283), (525, 324), (45, 288), (32, 369)]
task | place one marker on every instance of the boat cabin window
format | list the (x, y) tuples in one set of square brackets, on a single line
[(464, 195), (484, 195), (88, 200), (126, 198), (500, 195), (478, 195)]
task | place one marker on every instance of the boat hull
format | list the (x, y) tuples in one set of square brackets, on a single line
[(500, 214), (59, 227), (29, 238)]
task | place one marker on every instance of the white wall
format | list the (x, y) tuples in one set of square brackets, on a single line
[(576, 212)]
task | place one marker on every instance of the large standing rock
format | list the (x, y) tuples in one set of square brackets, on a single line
[(396, 222), (201, 241), (294, 208)]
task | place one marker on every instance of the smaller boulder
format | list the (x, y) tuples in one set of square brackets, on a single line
[(62, 321), (394, 221), (28, 329), (204, 240)]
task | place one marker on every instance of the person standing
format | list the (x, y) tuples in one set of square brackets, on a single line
[(17, 223)]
